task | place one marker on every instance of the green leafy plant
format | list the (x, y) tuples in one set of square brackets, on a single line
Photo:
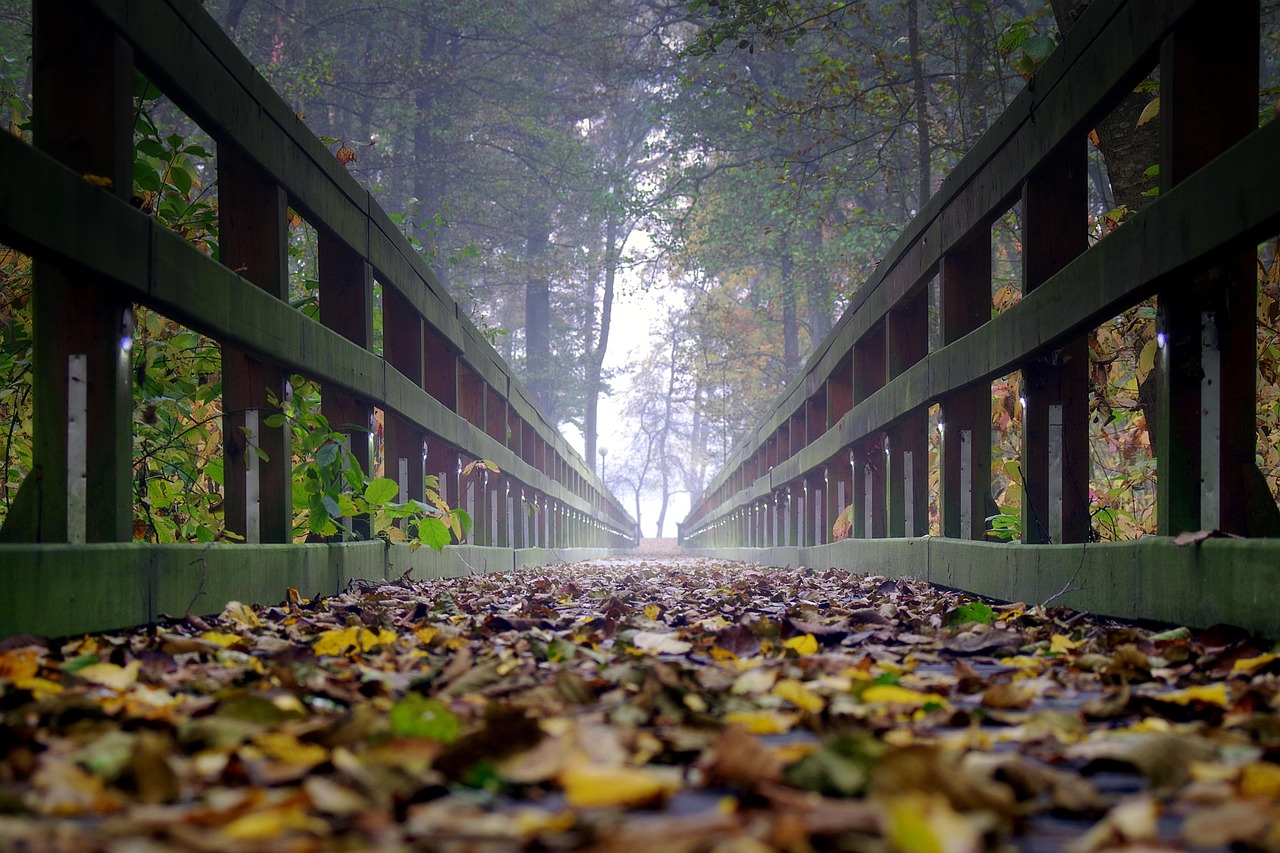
[(331, 489)]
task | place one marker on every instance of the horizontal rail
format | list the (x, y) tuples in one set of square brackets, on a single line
[(443, 387), (850, 430)]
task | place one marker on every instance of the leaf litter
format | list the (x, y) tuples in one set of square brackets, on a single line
[(683, 705)]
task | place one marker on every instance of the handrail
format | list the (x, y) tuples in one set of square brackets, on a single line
[(442, 385), (854, 420)]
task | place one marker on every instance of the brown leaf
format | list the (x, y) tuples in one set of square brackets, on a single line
[(741, 759)]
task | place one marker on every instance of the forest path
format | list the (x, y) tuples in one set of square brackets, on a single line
[(673, 704)]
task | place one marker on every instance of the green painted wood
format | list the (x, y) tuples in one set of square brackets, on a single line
[(64, 590), (184, 284), (253, 241), (83, 80), (1218, 581), (1112, 46), (1208, 83)]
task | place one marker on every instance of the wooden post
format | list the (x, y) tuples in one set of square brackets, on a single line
[(1055, 389), (1206, 410), (908, 333), (403, 349), (346, 306), (83, 329), (869, 371), (259, 502), (966, 414)]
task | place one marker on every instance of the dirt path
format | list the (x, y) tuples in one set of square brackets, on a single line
[(682, 705)]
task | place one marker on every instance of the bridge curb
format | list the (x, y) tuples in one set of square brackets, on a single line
[(1215, 581), (56, 590)]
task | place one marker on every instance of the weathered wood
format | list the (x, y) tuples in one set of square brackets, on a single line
[(966, 413), (346, 306), (83, 325), (870, 371), (1112, 47), (257, 465), (1206, 417), (1055, 401), (908, 343)]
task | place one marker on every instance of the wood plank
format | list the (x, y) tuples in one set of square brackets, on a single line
[(83, 326), (1206, 420), (257, 460), (1055, 387)]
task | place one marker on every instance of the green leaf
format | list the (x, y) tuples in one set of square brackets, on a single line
[(433, 533), (417, 716), (327, 455), (464, 523), (152, 148), (381, 490), (1038, 48), (974, 611), (274, 421)]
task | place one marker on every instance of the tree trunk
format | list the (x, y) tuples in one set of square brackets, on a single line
[(537, 322), (1128, 150), (595, 364), (790, 318), (819, 290), (924, 144)]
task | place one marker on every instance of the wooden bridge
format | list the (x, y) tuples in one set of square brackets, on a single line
[(447, 396), (852, 429)]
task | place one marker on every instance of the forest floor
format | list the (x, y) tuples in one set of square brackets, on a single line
[(683, 705)]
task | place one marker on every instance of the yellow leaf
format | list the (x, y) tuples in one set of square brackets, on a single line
[(110, 675), (241, 613), (98, 180), (718, 653), (272, 823), (40, 688), (891, 694), (1149, 112), (1212, 694), (1260, 779), (287, 748), (805, 644), (1060, 643), (592, 785), (762, 722), (652, 611), (916, 823), (799, 695), (1252, 664), (354, 639), (19, 665), (222, 639), (426, 635)]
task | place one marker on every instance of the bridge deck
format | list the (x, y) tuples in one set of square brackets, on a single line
[(678, 705)]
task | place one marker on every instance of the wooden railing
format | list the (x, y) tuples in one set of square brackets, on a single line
[(854, 427), (446, 395)]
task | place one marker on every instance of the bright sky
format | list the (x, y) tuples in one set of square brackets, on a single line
[(636, 315)]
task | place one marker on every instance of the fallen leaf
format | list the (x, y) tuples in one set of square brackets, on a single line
[(660, 644), (591, 786)]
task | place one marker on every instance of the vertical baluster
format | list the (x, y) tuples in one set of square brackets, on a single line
[(404, 445), (966, 414), (83, 330), (1055, 494), (346, 306), (251, 223), (1205, 424), (908, 333)]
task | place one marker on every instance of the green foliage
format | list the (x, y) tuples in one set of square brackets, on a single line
[(330, 487), (417, 716), (973, 611)]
